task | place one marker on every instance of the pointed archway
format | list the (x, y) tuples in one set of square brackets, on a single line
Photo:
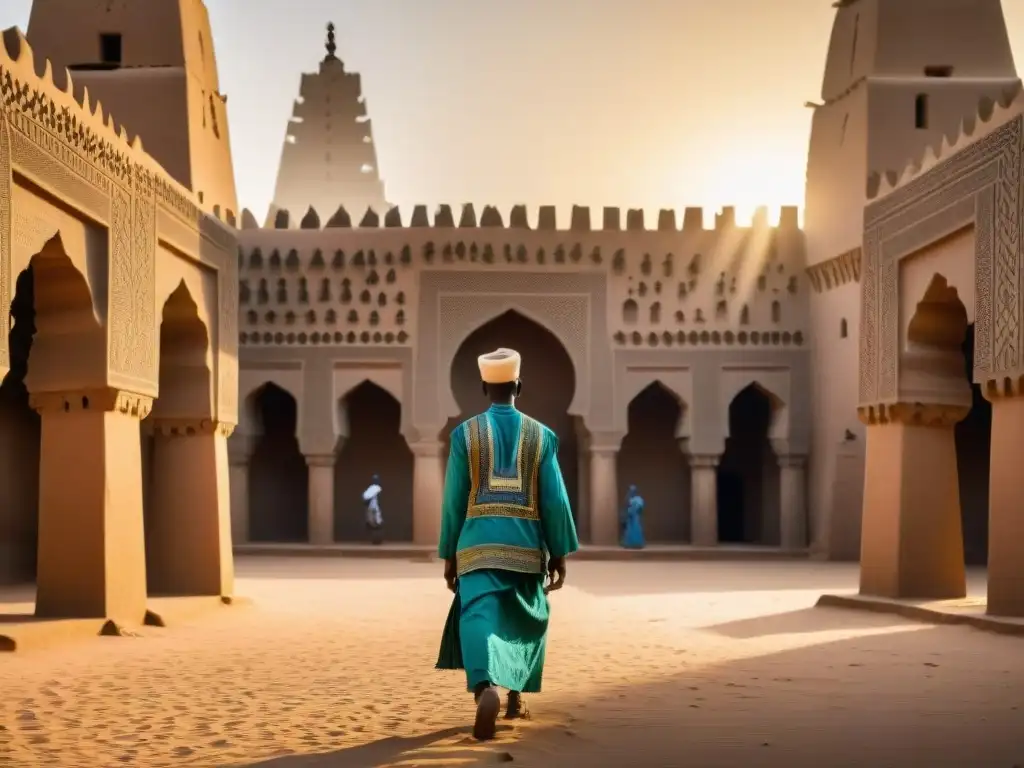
[(650, 458), (748, 473), (19, 445), (278, 477), (374, 446), (548, 375)]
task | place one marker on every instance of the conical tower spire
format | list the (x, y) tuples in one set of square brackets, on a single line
[(331, 46)]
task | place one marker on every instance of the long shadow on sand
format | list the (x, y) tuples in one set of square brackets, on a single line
[(797, 622), (451, 746)]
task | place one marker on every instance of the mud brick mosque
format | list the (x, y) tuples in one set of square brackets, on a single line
[(182, 377)]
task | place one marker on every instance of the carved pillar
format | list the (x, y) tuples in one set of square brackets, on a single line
[(1006, 507), (427, 489), (911, 541), (704, 500), (604, 489), (92, 558), (188, 530), (793, 501), (321, 498), (240, 447), (583, 484)]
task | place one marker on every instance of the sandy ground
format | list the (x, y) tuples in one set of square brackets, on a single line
[(649, 664)]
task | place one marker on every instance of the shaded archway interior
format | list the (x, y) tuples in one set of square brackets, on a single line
[(19, 445), (278, 478), (748, 473), (973, 451), (374, 446), (651, 459), (549, 382)]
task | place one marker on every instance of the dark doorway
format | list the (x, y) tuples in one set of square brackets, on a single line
[(973, 447), (19, 445), (748, 475), (548, 375), (375, 446), (650, 458), (278, 477)]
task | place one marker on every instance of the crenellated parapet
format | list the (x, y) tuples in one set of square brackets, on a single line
[(674, 284), (991, 114), (581, 219)]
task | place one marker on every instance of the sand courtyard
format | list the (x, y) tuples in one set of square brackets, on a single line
[(649, 664)]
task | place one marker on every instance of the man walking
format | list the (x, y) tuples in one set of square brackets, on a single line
[(506, 522)]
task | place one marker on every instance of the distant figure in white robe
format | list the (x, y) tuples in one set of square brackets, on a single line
[(374, 517)]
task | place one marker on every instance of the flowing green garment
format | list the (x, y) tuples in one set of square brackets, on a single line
[(505, 512)]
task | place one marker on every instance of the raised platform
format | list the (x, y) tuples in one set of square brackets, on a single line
[(654, 552), (21, 630), (968, 611)]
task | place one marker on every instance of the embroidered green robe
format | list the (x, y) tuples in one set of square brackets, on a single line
[(505, 511)]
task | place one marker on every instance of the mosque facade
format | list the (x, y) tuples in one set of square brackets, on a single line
[(844, 389)]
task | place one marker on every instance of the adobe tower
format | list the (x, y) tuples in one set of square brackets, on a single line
[(328, 159), (151, 64), (898, 75)]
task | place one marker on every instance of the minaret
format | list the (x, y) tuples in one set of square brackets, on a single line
[(151, 64), (328, 157), (898, 75)]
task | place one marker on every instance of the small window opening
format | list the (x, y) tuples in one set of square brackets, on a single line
[(938, 71), (844, 329), (110, 48), (921, 111)]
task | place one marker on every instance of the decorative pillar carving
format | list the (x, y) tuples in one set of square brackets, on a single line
[(1006, 501), (321, 498), (793, 501), (604, 488), (188, 530), (92, 557), (240, 448), (427, 489), (704, 500), (911, 541)]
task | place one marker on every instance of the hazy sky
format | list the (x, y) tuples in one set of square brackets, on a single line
[(636, 103)]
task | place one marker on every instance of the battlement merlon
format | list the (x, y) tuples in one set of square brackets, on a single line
[(51, 97), (580, 219)]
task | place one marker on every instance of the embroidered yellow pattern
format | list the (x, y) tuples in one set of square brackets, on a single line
[(497, 482), (500, 557), (486, 500)]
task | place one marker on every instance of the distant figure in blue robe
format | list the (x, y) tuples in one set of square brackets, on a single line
[(506, 524), (374, 517), (632, 521)]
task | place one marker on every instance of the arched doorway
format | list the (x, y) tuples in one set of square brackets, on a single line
[(278, 476), (651, 459), (374, 446), (973, 449), (748, 473), (19, 445), (548, 375), (181, 520)]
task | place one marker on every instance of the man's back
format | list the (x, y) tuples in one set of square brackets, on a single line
[(505, 503)]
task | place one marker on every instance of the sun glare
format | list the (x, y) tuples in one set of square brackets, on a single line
[(751, 179)]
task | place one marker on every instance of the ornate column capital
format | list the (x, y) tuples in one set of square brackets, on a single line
[(1004, 388), (192, 427), (431, 449), (321, 459), (605, 443), (102, 399), (792, 461), (704, 460), (913, 414)]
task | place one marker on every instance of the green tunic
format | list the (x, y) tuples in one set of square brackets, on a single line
[(505, 511)]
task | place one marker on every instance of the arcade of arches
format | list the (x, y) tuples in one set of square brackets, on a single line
[(78, 459), (745, 495)]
